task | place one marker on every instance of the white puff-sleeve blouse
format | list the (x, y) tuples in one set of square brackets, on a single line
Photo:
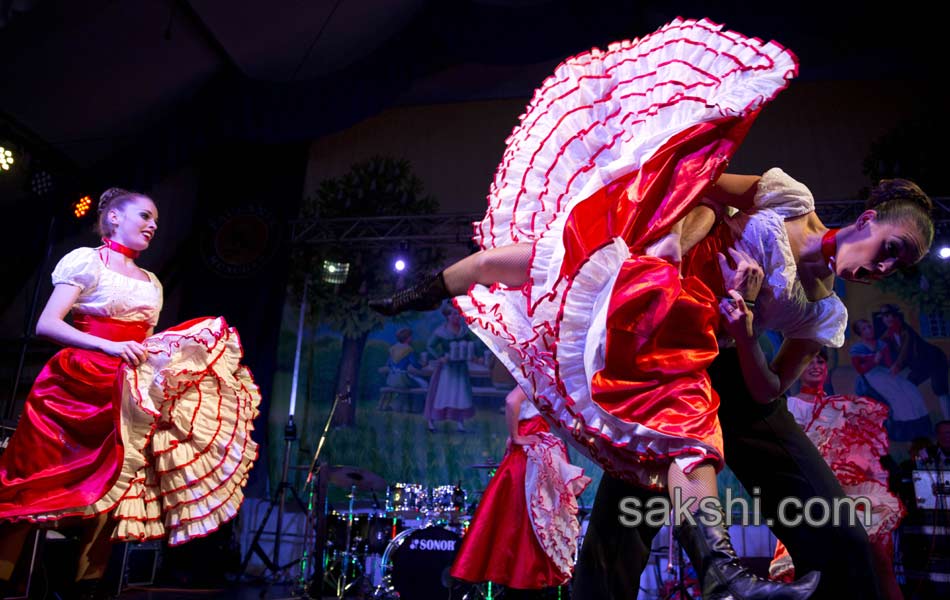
[(107, 293), (782, 304)]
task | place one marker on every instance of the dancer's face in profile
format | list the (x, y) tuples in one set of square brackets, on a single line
[(878, 249), (135, 223), (816, 372)]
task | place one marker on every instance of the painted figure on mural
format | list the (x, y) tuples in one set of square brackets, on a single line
[(872, 359), (403, 373), (911, 351), (450, 348)]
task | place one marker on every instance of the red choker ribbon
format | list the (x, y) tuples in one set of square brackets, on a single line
[(117, 247), (814, 391), (829, 246)]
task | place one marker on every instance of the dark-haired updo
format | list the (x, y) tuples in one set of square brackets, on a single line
[(901, 200), (112, 199)]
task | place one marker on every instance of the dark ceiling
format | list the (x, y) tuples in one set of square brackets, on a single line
[(91, 78), (106, 92)]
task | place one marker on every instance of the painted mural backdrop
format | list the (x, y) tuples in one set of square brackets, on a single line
[(426, 397)]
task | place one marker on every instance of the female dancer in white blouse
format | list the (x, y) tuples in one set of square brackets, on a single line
[(131, 434)]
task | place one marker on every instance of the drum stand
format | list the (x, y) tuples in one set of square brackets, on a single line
[(481, 591), (342, 586)]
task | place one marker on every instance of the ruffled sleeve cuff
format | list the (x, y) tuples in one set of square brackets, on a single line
[(784, 195), (79, 268)]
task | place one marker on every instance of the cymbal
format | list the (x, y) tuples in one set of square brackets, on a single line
[(346, 477)]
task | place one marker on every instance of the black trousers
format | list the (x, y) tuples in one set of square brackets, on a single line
[(930, 363), (767, 450)]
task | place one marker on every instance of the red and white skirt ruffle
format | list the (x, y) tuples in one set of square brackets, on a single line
[(524, 533), (850, 435), (613, 149), (164, 447)]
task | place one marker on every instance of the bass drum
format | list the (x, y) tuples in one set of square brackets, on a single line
[(416, 565)]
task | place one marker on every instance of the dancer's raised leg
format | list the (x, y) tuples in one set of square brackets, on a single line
[(506, 264)]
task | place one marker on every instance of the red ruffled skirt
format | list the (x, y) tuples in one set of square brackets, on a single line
[(501, 545), (164, 447), (616, 147)]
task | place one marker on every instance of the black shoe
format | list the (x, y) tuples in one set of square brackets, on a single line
[(722, 576), (428, 294)]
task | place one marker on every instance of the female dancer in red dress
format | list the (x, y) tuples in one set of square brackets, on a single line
[(136, 435), (524, 533), (849, 432), (578, 289)]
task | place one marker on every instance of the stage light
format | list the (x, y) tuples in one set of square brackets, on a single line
[(399, 265), (81, 207), (943, 252), (42, 183), (6, 158), (335, 272)]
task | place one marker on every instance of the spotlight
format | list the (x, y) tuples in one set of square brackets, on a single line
[(335, 272), (399, 265), (6, 158), (944, 252), (81, 207)]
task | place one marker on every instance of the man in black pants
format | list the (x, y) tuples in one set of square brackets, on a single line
[(766, 449)]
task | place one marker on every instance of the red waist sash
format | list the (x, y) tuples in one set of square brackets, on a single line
[(111, 329)]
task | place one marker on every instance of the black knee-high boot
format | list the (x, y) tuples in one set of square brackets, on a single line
[(721, 575), (425, 295)]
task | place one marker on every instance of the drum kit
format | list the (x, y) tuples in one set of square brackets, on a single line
[(403, 549)]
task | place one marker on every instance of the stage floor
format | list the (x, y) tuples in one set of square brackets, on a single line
[(249, 591), (245, 591)]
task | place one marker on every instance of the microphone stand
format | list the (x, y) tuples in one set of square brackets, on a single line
[(272, 563), (316, 488)]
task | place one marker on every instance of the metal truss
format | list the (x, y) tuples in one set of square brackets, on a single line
[(417, 230), (837, 213), (456, 229)]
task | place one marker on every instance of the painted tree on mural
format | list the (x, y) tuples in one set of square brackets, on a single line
[(915, 150), (376, 187)]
